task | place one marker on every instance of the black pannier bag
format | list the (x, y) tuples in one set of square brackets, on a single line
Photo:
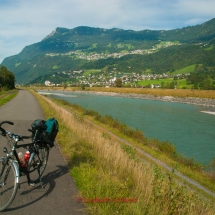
[(37, 127), (45, 130)]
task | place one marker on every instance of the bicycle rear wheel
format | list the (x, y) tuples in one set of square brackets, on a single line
[(37, 164), (9, 181)]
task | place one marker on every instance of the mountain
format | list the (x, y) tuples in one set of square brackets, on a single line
[(87, 48)]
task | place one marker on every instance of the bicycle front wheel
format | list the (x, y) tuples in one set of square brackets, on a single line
[(37, 164), (9, 181)]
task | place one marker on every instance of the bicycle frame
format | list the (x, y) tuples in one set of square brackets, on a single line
[(18, 166), (34, 151), (11, 166), (13, 153)]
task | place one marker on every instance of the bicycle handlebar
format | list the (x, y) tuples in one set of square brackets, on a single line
[(2, 131), (8, 122)]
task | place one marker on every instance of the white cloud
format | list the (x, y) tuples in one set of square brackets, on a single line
[(27, 22)]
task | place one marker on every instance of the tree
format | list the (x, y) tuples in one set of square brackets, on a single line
[(82, 86), (118, 82), (207, 84), (64, 85), (7, 78), (162, 84), (172, 84)]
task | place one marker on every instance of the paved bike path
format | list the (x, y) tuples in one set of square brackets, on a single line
[(60, 194)]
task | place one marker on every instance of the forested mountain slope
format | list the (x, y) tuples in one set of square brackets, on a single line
[(86, 48)]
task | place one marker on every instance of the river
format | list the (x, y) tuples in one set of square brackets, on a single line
[(183, 125)]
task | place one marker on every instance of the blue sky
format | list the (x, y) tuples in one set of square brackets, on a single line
[(24, 22)]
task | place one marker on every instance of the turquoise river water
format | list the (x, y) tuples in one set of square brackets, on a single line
[(183, 125)]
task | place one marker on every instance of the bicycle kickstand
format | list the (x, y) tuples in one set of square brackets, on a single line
[(41, 182), (31, 184)]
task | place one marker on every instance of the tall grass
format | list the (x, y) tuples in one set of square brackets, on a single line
[(110, 176), (165, 147), (163, 150)]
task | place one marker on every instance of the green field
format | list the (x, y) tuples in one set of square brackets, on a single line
[(209, 48), (87, 72), (181, 82), (167, 43), (55, 67), (185, 70)]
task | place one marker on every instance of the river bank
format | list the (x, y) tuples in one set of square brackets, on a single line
[(83, 171), (186, 100)]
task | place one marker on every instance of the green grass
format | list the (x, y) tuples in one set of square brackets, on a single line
[(92, 71), (55, 67), (93, 46), (157, 81), (209, 48), (184, 70), (6, 96), (162, 150), (181, 82), (147, 71), (17, 64), (164, 43), (108, 174)]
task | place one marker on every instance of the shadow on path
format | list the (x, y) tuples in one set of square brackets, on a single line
[(48, 180)]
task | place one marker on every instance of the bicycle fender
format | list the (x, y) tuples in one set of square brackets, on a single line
[(16, 170)]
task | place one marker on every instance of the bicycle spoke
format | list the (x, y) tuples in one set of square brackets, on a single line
[(37, 164)]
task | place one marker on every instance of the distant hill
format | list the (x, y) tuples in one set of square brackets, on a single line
[(97, 48)]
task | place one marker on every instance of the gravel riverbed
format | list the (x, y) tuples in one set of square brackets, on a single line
[(186, 100)]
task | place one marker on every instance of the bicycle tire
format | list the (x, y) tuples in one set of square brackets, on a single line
[(8, 184), (37, 164)]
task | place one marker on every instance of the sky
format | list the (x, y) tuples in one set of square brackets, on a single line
[(24, 22)]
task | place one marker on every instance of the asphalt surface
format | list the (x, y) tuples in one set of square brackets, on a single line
[(60, 193)]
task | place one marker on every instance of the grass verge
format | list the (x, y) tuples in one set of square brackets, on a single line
[(110, 177), (161, 150), (6, 96)]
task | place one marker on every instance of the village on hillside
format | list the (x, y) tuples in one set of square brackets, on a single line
[(101, 79)]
